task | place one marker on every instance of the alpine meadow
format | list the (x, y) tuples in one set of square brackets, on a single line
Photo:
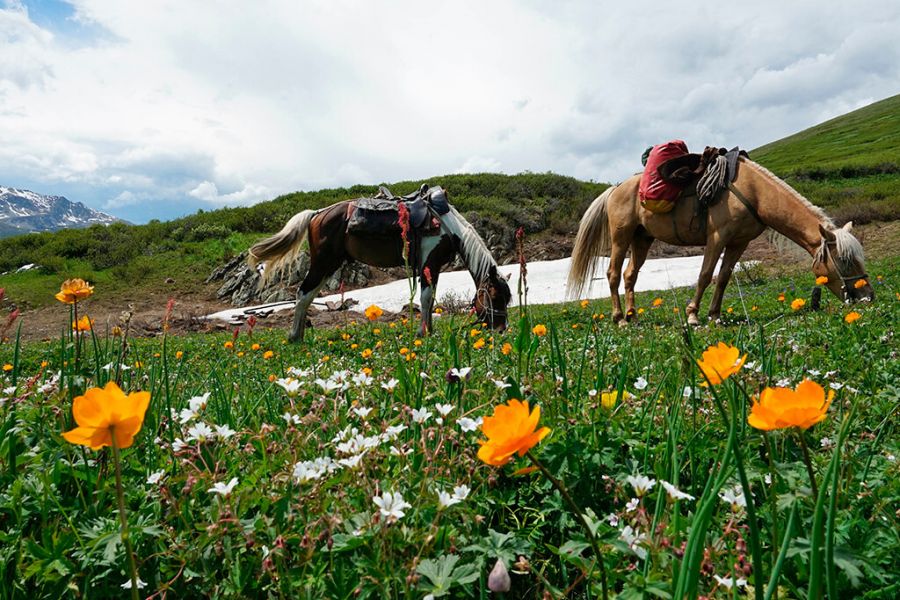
[(566, 456)]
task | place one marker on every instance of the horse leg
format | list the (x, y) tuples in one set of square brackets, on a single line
[(640, 247), (305, 296), (710, 258), (426, 301), (613, 275), (729, 260), (320, 268)]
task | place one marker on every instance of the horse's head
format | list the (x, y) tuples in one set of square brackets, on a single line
[(492, 299), (840, 259)]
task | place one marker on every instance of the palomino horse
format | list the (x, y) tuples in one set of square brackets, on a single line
[(330, 244), (757, 199)]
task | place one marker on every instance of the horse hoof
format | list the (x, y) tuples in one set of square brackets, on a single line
[(693, 320)]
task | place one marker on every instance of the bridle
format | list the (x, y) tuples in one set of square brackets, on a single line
[(487, 308), (845, 281)]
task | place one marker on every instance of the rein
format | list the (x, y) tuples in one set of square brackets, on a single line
[(488, 307), (746, 203)]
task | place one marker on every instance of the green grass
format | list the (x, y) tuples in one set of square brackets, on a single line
[(867, 137), (850, 165), (276, 535)]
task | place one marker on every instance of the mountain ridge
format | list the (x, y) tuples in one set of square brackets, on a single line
[(24, 211)]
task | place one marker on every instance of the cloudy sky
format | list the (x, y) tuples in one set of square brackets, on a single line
[(155, 109)]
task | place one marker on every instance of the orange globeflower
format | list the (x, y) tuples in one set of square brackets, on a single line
[(779, 408), (539, 330), (821, 280), (506, 348), (8, 367), (367, 353), (479, 344), (511, 429), (83, 324), (720, 362), (860, 283), (798, 303), (268, 354), (657, 302), (102, 413), (373, 312), (585, 303), (73, 290), (852, 316)]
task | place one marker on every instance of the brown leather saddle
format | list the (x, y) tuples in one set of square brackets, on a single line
[(380, 215)]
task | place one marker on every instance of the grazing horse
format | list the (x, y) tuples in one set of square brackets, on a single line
[(757, 199), (330, 244)]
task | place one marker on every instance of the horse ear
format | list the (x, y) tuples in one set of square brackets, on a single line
[(848, 226), (826, 234)]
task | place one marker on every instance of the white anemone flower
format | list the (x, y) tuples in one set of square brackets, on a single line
[(420, 415), (461, 492), (140, 584), (290, 386), (467, 424), (674, 493), (361, 411), (446, 500), (730, 582), (444, 409), (391, 505), (390, 384), (640, 483), (634, 541), (223, 432), (223, 489), (640, 383), (200, 432), (734, 497)]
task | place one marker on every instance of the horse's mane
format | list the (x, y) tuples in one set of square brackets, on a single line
[(797, 195), (474, 251), (847, 248)]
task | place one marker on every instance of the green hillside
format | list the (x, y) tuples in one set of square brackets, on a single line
[(867, 139), (849, 165), (130, 258)]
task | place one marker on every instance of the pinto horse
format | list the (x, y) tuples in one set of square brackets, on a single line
[(755, 201), (330, 245)]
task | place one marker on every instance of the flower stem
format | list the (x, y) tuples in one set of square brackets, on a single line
[(809, 468), (126, 538), (580, 516)]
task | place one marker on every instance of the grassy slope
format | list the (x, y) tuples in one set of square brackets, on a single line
[(849, 165), (865, 137)]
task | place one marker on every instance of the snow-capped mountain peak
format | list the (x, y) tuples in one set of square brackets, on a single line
[(24, 211)]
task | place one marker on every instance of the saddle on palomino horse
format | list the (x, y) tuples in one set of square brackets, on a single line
[(673, 173)]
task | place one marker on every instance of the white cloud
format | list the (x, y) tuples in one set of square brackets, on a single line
[(182, 102)]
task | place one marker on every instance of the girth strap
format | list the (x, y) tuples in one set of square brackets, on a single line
[(746, 203)]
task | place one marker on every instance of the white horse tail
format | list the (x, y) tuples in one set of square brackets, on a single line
[(281, 250), (593, 240)]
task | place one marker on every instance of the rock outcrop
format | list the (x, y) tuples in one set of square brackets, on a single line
[(240, 282)]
